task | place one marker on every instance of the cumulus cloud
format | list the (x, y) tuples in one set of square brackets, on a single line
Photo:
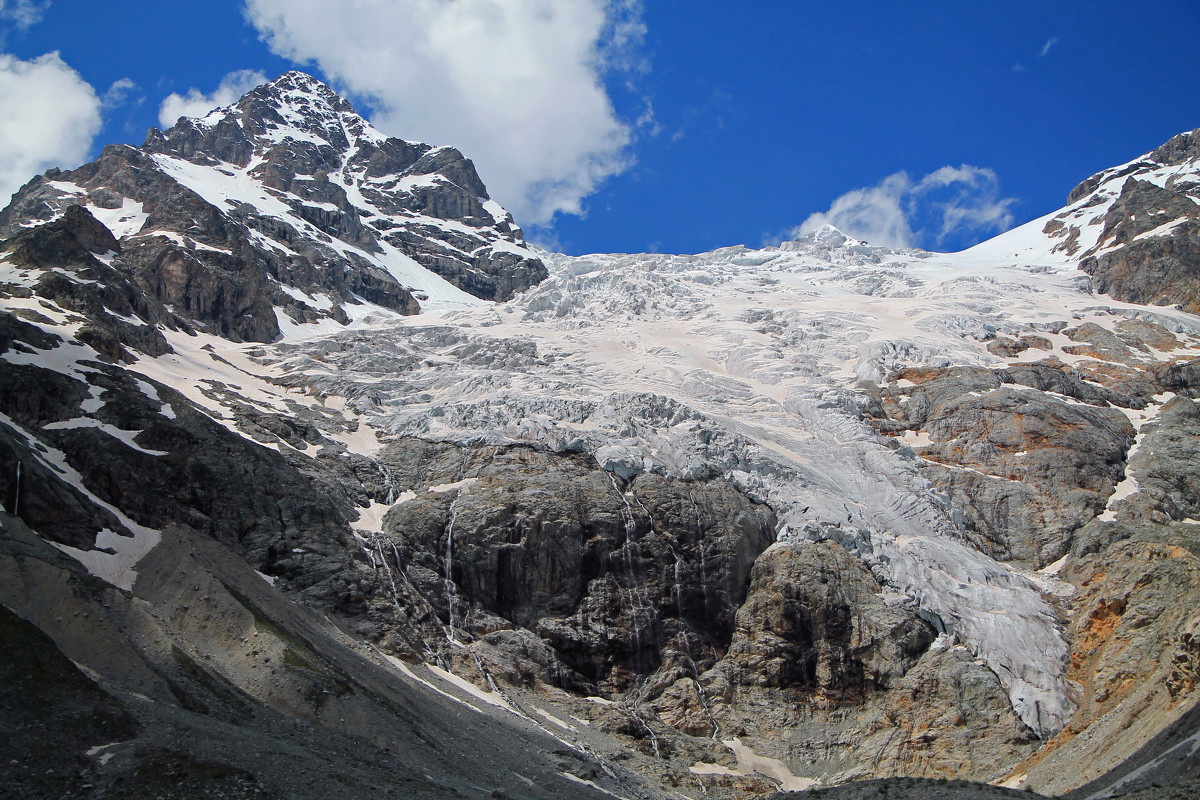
[(875, 214), (196, 104), (949, 205), (517, 85), (48, 118)]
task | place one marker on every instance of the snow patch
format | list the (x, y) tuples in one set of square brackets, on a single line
[(124, 436), (114, 556), (750, 763)]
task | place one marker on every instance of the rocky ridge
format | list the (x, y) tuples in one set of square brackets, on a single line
[(1135, 229), (289, 208), (736, 522)]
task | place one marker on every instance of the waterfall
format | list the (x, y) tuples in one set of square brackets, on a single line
[(634, 601), (687, 647), (377, 542), (451, 589), (389, 480), (700, 545), (678, 589)]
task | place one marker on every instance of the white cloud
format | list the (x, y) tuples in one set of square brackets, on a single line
[(948, 204), (48, 118), (875, 214), (23, 13), (119, 93), (1053, 40), (516, 85), (196, 104)]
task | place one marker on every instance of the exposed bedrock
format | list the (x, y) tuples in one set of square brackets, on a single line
[(814, 621), (613, 576), (824, 673), (1025, 467), (212, 267), (1139, 267), (1148, 250), (1134, 626)]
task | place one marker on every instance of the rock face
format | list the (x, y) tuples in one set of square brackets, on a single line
[(820, 658), (616, 578), (1133, 622), (1148, 244), (1025, 468), (814, 623)]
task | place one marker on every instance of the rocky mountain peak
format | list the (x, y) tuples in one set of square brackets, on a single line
[(1134, 227), (1179, 149), (830, 236), (288, 207), (295, 107), (827, 234), (311, 150), (298, 118), (296, 88)]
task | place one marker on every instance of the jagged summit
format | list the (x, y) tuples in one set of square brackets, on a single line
[(288, 209), (1135, 228), (300, 138), (294, 105), (297, 118), (830, 236)]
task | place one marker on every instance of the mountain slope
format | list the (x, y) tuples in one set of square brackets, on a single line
[(287, 208), (1144, 239), (740, 521)]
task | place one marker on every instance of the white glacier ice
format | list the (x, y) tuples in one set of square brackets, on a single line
[(752, 365)]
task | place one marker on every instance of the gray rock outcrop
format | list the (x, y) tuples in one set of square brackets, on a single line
[(1148, 248), (1025, 468)]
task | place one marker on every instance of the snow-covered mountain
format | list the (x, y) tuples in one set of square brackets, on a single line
[(731, 522), (288, 207)]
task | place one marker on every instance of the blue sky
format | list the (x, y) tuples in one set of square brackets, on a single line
[(616, 125)]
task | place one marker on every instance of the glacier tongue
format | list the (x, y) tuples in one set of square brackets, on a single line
[(757, 366), (900, 527)]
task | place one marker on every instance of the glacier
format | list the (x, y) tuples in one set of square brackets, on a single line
[(752, 365)]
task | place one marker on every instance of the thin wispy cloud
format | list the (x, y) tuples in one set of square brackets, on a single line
[(120, 93), (950, 204), (519, 85), (1053, 40), (21, 14)]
